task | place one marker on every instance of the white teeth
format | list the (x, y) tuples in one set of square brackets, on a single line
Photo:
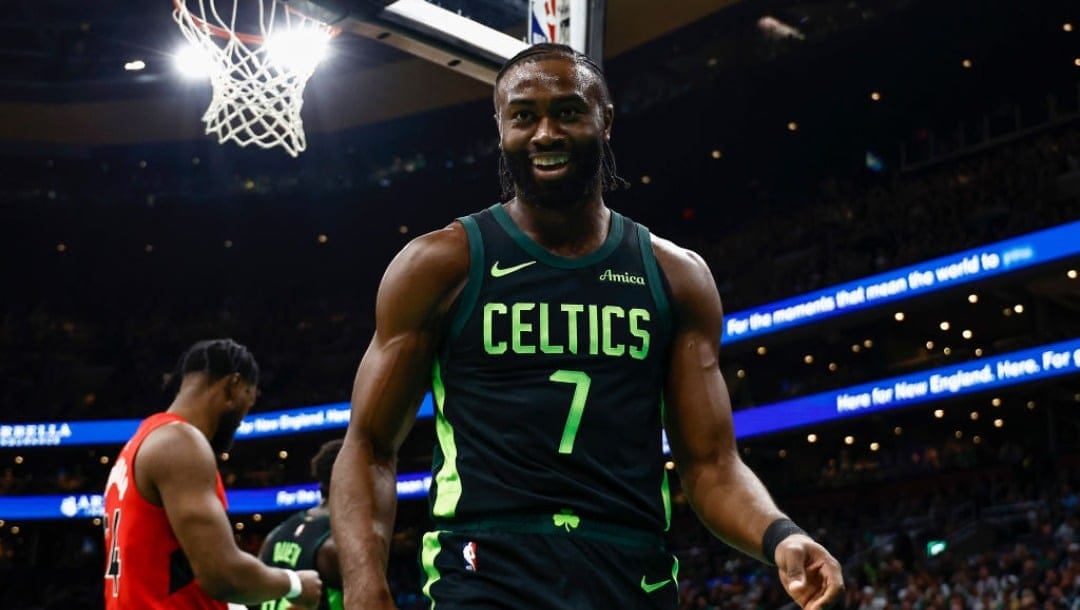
[(549, 161)]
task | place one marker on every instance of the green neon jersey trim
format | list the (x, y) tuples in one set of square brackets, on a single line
[(448, 480)]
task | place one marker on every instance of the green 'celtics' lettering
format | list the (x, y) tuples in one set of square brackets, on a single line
[(546, 328), (608, 312), (490, 309), (520, 328), (637, 316)]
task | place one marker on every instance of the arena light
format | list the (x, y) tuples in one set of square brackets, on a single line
[(1071, 274), (1068, 27), (1018, 308), (899, 316), (1031, 405), (135, 65), (967, 63), (193, 62), (298, 49), (967, 334), (944, 325), (973, 298), (876, 96), (811, 438)]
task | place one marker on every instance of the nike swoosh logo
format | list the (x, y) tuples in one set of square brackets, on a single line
[(649, 588), (497, 272)]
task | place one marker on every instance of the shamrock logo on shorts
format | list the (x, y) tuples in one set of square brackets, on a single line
[(566, 519)]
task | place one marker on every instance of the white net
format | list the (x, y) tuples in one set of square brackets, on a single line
[(257, 78)]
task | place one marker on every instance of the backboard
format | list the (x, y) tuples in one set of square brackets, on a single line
[(473, 37)]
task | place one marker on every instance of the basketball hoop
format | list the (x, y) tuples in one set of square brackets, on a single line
[(257, 79)]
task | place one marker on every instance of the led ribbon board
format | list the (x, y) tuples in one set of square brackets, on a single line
[(1037, 363), (241, 501), (953, 270), (915, 280)]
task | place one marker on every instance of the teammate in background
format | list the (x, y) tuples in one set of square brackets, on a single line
[(303, 540), (167, 537), (557, 337)]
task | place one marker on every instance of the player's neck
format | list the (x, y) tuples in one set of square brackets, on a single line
[(194, 406), (573, 231)]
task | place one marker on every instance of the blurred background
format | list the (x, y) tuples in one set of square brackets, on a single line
[(796, 145)]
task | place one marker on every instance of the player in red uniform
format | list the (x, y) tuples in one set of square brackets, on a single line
[(167, 537)]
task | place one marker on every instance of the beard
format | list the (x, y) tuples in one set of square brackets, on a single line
[(582, 181), (228, 424)]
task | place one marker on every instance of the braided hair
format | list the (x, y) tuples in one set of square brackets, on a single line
[(610, 180), (218, 358)]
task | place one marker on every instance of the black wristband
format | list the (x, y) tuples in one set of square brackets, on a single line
[(775, 534)]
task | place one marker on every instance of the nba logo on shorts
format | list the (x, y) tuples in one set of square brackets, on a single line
[(469, 553)]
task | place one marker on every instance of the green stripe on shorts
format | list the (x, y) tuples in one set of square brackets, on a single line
[(431, 548)]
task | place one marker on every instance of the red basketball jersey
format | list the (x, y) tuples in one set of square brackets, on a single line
[(145, 568)]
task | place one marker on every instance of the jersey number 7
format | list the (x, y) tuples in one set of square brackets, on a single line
[(581, 382)]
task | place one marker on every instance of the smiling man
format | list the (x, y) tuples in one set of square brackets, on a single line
[(558, 338)]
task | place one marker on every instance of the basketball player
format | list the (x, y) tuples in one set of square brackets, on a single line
[(557, 337), (303, 540), (167, 537)]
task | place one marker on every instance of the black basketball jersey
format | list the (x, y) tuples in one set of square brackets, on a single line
[(548, 382), (293, 545)]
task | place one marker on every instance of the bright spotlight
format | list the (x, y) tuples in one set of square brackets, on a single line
[(297, 50), (193, 62)]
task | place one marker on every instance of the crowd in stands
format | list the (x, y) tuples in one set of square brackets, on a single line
[(104, 353)]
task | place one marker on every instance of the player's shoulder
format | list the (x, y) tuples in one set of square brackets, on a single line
[(444, 252), (680, 265), (173, 443)]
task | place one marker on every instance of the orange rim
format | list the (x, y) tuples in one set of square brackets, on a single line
[(252, 39)]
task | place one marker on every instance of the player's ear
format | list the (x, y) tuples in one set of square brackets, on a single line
[(232, 386)]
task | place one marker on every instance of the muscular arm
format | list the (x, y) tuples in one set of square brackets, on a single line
[(726, 495), (416, 291), (176, 466), (728, 498)]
